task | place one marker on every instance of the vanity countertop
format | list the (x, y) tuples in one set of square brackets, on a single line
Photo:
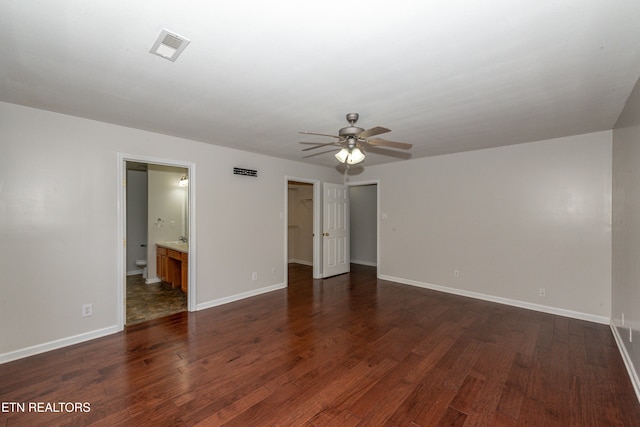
[(176, 246)]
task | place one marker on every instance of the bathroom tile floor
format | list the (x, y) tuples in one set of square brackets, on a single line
[(146, 302)]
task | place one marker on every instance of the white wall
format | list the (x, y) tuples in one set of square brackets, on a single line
[(166, 207), (58, 222), (136, 219), (363, 205), (511, 220), (300, 217), (626, 232)]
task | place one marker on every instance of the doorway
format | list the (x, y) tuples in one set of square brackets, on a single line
[(300, 223), (364, 224), (156, 207), (302, 227)]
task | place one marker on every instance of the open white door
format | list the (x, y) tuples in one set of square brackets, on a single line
[(335, 232)]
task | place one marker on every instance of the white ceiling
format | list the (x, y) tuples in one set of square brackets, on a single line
[(446, 76)]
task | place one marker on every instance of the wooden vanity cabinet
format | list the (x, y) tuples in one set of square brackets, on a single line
[(172, 267), (177, 268), (184, 269), (162, 265)]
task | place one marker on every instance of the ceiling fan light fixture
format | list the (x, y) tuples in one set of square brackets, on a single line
[(342, 155), (355, 157), (353, 140)]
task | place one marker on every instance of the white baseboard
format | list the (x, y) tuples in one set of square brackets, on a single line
[(369, 263), (151, 280), (300, 261), (515, 303), (133, 272), (628, 363), (76, 339), (237, 297), (54, 345)]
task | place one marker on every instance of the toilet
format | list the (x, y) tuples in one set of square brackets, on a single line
[(142, 264)]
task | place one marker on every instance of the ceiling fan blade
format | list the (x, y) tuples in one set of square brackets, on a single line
[(319, 134), (373, 131), (391, 144), (403, 155), (321, 145), (318, 154)]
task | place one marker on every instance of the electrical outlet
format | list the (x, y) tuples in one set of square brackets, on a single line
[(87, 310), (254, 276), (456, 273), (630, 334), (542, 292)]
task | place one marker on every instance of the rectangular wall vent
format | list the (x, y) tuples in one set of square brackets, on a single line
[(245, 172), (169, 45)]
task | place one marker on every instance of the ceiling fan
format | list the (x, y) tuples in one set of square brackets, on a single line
[(354, 141)]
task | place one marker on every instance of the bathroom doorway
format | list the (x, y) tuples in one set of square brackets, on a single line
[(157, 223)]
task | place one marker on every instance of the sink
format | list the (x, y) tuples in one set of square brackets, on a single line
[(176, 244)]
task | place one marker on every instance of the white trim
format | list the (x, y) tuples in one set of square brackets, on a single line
[(238, 297), (152, 280), (54, 345), (299, 261), (121, 224), (515, 303), (133, 272), (121, 251), (369, 263), (626, 358)]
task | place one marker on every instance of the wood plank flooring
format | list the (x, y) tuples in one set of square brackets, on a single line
[(350, 350)]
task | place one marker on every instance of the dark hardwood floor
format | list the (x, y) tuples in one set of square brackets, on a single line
[(350, 350)]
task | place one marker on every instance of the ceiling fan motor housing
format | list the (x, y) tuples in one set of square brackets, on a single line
[(350, 131)]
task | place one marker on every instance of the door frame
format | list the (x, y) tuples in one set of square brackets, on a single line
[(121, 286), (375, 182), (317, 226)]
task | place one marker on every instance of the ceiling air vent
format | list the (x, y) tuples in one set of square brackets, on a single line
[(169, 45)]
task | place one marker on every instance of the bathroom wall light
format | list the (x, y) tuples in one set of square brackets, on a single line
[(184, 181)]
